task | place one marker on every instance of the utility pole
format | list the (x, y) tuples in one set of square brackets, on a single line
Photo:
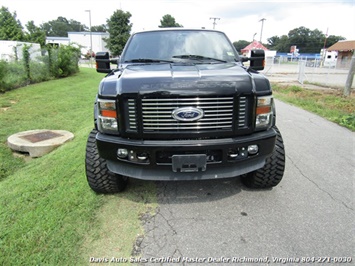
[(350, 78), (262, 26), (325, 40), (214, 22), (324, 54)]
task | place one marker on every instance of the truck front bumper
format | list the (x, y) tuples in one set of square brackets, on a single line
[(185, 159)]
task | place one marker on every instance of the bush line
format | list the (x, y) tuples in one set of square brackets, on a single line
[(58, 62)]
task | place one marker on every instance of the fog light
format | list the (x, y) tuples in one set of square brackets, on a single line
[(122, 153), (233, 153), (253, 149), (142, 156)]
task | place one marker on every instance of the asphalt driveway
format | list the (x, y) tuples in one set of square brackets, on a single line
[(309, 216)]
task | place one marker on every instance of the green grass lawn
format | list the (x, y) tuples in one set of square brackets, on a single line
[(48, 214), (329, 104)]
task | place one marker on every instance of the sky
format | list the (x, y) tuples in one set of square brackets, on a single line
[(239, 19)]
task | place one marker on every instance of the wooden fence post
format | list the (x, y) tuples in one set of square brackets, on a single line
[(350, 78)]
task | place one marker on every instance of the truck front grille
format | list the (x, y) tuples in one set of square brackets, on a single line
[(157, 114), (242, 112), (132, 115)]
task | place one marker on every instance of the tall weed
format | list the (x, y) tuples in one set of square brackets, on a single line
[(15, 76), (64, 61), (40, 71), (58, 62), (2, 75)]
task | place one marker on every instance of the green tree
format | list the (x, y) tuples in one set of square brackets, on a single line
[(10, 27), (332, 39), (119, 28), (280, 44), (77, 26), (61, 26), (306, 40), (168, 21), (284, 44), (239, 45), (99, 28), (35, 34), (273, 41)]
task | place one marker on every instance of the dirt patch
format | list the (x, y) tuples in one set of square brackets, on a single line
[(4, 109), (7, 106)]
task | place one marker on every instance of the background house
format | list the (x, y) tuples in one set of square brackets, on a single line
[(83, 39), (252, 46), (57, 40), (345, 51), (269, 54)]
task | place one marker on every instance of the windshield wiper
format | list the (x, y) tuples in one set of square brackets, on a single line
[(198, 57), (147, 60)]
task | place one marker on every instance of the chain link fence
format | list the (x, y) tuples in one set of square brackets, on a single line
[(302, 70)]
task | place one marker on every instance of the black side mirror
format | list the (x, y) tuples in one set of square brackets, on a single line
[(103, 62), (257, 59)]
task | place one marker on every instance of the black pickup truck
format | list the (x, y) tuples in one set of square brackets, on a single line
[(182, 106)]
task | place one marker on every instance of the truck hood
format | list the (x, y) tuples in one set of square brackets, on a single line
[(179, 79)]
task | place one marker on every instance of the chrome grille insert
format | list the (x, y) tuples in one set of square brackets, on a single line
[(157, 114), (242, 112), (132, 114)]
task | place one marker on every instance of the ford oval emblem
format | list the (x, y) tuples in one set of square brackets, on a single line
[(187, 114)]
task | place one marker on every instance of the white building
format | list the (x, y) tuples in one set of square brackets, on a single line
[(329, 58), (57, 40), (12, 50), (84, 39)]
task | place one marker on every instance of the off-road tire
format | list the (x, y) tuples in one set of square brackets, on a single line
[(272, 172), (99, 178)]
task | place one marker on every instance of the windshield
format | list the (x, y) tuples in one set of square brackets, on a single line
[(179, 46)]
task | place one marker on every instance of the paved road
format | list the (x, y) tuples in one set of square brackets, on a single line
[(310, 213)]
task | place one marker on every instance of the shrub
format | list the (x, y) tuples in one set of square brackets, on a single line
[(60, 62), (68, 60), (2, 75), (40, 71), (14, 76), (26, 60), (64, 60)]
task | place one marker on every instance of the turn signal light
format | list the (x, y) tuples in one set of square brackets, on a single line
[(263, 110), (109, 113)]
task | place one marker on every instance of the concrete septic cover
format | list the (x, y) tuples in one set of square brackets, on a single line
[(38, 142)]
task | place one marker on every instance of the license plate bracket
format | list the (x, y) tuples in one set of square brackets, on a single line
[(189, 163)]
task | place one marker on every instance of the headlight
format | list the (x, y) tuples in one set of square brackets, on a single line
[(264, 112), (108, 116)]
